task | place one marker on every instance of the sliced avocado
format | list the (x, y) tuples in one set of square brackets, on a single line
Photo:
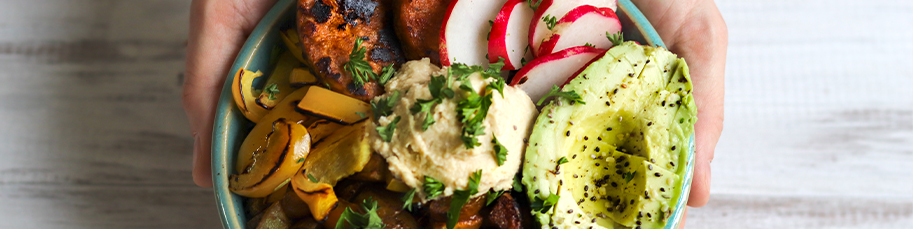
[(632, 130)]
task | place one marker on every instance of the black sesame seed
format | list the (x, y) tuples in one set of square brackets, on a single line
[(673, 147), (599, 138), (672, 163), (652, 160), (597, 164), (650, 167), (569, 211), (575, 155), (575, 175), (662, 189), (664, 102), (593, 198), (614, 185), (536, 192), (632, 201), (638, 222), (609, 129), (568, 133), (596, 149), (657, 175), (607, 103), (585, 138), (627, 164), (586, 188), (646, 195), (649, 123), (618, 172), (649, 215)]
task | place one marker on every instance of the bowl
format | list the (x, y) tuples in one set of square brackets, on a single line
[(230, 126)]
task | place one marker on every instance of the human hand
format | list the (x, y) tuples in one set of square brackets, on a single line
[(218, 28), (695, 30)]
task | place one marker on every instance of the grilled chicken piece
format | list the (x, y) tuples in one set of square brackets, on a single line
[(328, 29), (418, 25)]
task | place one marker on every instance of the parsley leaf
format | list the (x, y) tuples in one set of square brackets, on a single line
[(472, 112), (369, 220), (616, 38), (628, 176), (550, 21), (272, 90), (311, 178), (590, 45), (544, 205), (518, 185), (500, 151), (492, 196), (386, 132), (562, 160), (359, 68), (461, 197), (384, 106), (386, 74), (569, 95), (532, 5), (361, 114), (432, 187), (407, 199)]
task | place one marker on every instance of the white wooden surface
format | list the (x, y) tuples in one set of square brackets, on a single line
[(819, 118)]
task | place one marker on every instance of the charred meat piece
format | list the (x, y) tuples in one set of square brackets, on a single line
[(418, 25), (328, 30), (504, 213)]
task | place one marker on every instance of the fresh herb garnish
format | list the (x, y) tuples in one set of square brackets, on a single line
[(272, 90), (359, 68), (384, 106), (616, 38), (472, 112), (407, 199), (386, 132), (590, 45), (628, 176), (432, 187), (281, 185), (518, 185), (312, 178), (492, 196), (461, 197), (562, 160), (550, 21), (569, 95), (532, 5), (500, 151), (361, 114), (300, 160), (386, 74), (543, 206), (369, 220)]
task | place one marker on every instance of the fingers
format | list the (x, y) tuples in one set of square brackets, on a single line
[(216, 35), (703, 42)]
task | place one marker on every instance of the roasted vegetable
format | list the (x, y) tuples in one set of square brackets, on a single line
[(277, 86), (292, 42), (274, 218), (302, 77), (319, 197), (323, 103), (256, 140), (273, 164), (343, 153), (321, 129), (418, 25), (244, 95)]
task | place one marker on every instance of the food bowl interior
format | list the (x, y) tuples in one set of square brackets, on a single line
[(230, 127)]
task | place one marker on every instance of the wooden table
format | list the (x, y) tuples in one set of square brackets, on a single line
[(819, 118)]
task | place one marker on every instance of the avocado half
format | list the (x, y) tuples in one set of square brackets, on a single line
[(616, 160)]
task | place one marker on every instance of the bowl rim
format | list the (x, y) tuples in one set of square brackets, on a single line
[(229, 120)]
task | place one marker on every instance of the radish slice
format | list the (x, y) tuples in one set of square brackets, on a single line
[(538, 29), (538, 76), (584, 25), (508, 38), (464, 37)]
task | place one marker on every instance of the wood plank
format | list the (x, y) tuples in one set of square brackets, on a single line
[(766, 211)]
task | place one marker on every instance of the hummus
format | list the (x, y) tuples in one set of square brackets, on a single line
[(438, 152)]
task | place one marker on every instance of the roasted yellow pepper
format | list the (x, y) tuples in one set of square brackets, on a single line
[(274, 163)]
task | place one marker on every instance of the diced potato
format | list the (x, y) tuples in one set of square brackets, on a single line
[(324, 103), (274, 218)]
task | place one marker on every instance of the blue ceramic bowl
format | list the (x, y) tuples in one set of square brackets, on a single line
[(229, 127)]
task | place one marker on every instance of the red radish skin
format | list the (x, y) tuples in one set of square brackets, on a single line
[(465, 29), (557, 8), (507, 39), (584, 25), (538, 76)]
